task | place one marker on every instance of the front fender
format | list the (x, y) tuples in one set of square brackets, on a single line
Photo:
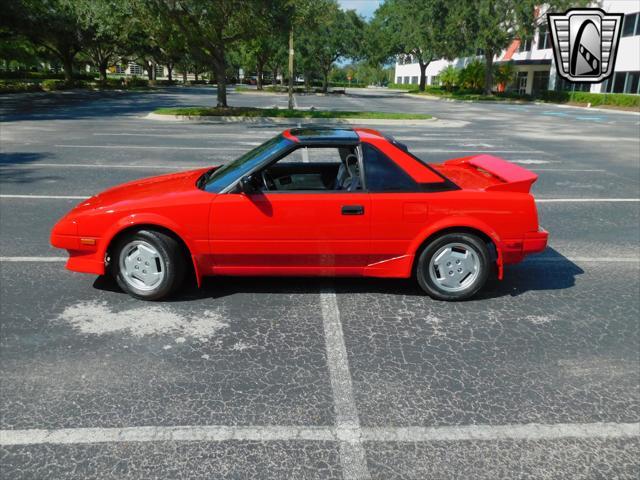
[(150, 220)]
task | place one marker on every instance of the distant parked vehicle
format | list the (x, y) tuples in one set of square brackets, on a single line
[(315, 202)]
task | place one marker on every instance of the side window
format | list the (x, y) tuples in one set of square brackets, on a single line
[(382, 174)]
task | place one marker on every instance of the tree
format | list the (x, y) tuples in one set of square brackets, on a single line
[(449, 77), (211, 27), (51, 24), (107, 28), (424, 29), (494, 24), (335, 34)]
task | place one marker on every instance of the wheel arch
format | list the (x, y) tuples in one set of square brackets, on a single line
[(484, 232), (127, 227)]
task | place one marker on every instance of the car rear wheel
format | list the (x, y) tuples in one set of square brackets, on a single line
[(453, 266), (148, 265)]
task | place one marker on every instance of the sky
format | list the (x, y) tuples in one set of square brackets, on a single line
[(363, 7)]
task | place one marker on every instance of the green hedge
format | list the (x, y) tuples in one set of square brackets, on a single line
[(412, 87), (51, 84), (15, 86), (595, 99), (43, 75)]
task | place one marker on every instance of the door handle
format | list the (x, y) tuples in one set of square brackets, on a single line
[(352, 210)]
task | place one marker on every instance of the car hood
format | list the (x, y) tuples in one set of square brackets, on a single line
[(145, 188)]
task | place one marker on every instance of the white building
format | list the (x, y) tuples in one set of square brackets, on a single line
[(534, 63)]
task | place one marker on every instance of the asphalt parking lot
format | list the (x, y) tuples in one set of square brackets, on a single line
[(538, 377)]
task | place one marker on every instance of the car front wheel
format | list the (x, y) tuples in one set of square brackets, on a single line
[(453, 266), (148, 265)]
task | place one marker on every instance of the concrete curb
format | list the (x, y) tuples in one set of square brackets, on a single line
[(287, 121)]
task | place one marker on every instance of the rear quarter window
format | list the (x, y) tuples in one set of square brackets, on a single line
[(383, 175)]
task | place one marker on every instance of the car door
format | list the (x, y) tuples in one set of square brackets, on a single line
[(290, 231), (399, 212)]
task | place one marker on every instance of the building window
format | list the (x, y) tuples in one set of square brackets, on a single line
[(399, 80), (406, 79), (631, 25), (540, 82), (414, 79), (159, 71), (135, 69), (544, 39), (525, 45), (120, 69), (623, 82), (521, 83), (435, 81), (565, 85)]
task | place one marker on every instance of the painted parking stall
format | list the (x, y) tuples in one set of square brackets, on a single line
[(315, 379)]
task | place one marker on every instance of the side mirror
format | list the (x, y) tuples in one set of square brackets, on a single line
[(248, 185)]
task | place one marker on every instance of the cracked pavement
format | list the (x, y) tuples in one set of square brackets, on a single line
[(289, 385)]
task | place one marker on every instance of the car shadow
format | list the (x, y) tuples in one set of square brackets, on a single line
[(548, 271), (22, 167)]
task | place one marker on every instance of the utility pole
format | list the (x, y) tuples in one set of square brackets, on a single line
[(291, 68)]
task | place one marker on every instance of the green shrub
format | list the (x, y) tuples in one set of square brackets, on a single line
[(52, 84), (197, 82), (595, 99), (111, 82), (16, 86), (472, 75), (412, 87), (130, 82), (449, 77)]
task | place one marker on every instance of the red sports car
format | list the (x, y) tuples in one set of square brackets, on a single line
[(312, 202)]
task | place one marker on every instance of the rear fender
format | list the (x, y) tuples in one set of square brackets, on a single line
[(151, 220), (460, 222)]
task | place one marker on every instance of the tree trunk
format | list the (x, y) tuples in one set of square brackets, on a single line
[(291, 104), (488, 72), (325, 81), (184, 77), (259, 69), (148, 66), (220, 69), (423, 74), (195, 75), (67, 65), (102, 67), (170, 72), (274, 80)]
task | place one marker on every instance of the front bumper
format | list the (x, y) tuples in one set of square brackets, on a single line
[(82, 257)]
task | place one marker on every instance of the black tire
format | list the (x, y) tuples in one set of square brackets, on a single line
[(472, 242), (172, 258)]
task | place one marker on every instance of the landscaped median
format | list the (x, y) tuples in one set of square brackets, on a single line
[(622, 101), (276, 115)]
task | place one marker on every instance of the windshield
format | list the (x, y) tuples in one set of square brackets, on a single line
[(232, 171)]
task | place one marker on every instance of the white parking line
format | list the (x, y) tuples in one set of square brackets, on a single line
[(46, 197), (585, 200), (476, 151), (93, 165), (33, 259), (584, 259), (530, 431), (153, 147), (352, 455), (275, 433)]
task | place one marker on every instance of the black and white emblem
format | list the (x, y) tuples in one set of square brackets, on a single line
[(585, 42)]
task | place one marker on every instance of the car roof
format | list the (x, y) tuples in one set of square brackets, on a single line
[(325, 135)]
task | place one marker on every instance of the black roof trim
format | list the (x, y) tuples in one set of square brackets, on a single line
[(325, 135)]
